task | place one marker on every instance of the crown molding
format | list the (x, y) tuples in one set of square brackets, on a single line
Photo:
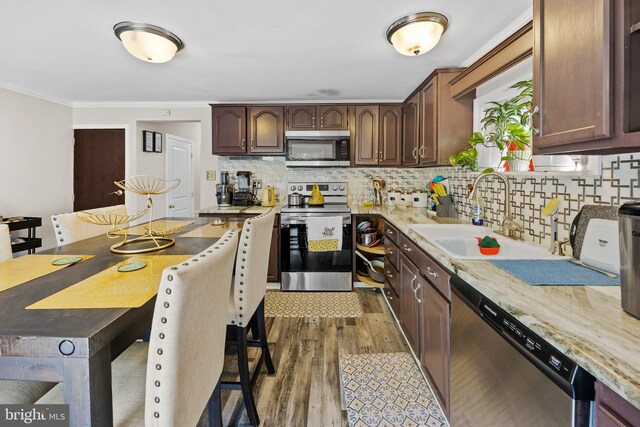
[(518, 23), (35, 95)]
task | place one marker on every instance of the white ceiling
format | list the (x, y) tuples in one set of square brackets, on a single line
[(235, 50)]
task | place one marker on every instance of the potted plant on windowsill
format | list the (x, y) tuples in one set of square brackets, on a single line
[(506, 127)]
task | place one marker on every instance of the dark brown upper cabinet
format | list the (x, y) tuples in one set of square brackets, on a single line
[(229, 130), (264, 126), (301, 117), (366, 136), (586, 70), (333, 117), (317, 117), (428, 149), (435, 124), (411, 131), (390, 135), (572, 77), (377, 135), (266, 130)]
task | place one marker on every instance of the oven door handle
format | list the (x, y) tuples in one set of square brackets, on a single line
[(303, 221)]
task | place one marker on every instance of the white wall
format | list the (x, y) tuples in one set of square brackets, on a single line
[(154, 164), (36, 159), (136, 159)]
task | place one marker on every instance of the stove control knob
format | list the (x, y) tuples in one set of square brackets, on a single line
[(342, 188), (292, 188), (334, 188), (299, 187)]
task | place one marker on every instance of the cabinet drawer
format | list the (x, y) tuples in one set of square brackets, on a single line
[(391, 233), (392, 275), (392, 252), (393, 298), (429, 269)]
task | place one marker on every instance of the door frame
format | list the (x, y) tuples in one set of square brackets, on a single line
[(166, 170), (129, 161)]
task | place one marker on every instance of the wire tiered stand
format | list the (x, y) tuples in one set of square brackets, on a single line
[(156, 235)]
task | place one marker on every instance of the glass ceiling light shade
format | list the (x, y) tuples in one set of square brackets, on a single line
[(147, 42), (416, 34)]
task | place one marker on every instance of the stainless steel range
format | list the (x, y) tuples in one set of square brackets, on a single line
[(304, 270)]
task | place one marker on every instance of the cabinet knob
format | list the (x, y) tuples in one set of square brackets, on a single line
[(389, 251), (389, 275), (431, 273), (421, 151), (415, 293), (172, 206), (243, 143), (252, 143), (406, 248), (414, 153), (390, 232)]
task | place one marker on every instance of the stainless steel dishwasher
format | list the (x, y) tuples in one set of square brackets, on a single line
[(503, 374)]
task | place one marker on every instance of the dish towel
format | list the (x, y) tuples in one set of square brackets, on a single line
[(324, 234)]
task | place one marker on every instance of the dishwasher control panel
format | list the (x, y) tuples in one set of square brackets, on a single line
[(527, 339)]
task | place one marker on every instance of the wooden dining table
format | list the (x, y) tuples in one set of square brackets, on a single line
[(76, 346)]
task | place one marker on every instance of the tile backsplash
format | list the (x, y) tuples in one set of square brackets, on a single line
[(619, 181)]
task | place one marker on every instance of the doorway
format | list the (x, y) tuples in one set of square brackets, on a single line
[(180, 201), (98, 161)]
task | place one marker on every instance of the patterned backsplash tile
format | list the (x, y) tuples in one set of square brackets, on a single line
[(618, 182)]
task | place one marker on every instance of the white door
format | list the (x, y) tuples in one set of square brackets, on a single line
[(180, 166)]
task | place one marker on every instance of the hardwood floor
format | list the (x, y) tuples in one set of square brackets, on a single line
[(305, 391)]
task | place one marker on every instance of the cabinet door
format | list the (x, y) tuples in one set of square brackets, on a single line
[(409, 310), (301, 117), (435, 314), (366, 137), (572, 78), (229, 130), (333, 117), (428, 123), (266, 130), (390, 135), (273, 271), (411, 131)]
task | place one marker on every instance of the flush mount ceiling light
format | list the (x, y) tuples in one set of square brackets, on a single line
[(148, 42), (416, 34)]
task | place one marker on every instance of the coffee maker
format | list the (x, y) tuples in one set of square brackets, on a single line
[(224, 190), (243, 196)]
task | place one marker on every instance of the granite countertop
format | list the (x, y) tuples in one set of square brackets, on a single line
[(586, 323)]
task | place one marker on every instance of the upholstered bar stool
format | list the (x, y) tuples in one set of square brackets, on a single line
[(5, 245), (246, 302), (69, 228), (184, 358)]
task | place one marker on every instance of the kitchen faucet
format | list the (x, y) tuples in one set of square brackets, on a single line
[(509, 226)]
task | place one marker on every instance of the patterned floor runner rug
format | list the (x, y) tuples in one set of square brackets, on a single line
[(312, 304), (387, 389)]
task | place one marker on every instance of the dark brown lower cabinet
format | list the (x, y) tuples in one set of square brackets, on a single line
[(425, 315), (435, 317), (273, 272), (612, 410), (409, 307)]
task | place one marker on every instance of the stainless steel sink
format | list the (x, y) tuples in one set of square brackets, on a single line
[(459, 241)]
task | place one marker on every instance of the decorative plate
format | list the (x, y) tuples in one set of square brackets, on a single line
[(132, 266), (67, 260)]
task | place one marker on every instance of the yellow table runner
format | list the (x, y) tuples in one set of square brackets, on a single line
[(113, 289), (23, 269), (139, 230), (211, 230)]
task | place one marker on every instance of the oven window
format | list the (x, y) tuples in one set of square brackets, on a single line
[(295, 256), (310, 149)]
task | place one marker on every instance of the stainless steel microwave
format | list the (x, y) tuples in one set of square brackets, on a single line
[(317, 149)]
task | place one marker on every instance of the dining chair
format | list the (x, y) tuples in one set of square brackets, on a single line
[(69, 228), (183, 359), (5, 244), (246, 305)]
